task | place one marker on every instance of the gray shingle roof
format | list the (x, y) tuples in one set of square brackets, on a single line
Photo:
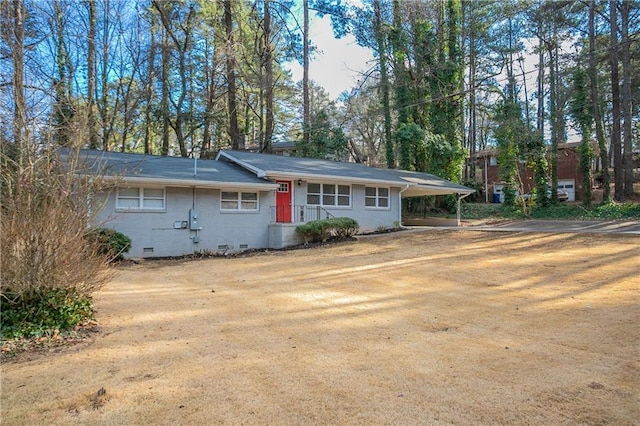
[(273, 166), (169, 170)]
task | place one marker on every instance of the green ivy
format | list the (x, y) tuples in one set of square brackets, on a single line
[(41, 315)]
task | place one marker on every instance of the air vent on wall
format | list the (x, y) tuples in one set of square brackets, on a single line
[(147, 250)]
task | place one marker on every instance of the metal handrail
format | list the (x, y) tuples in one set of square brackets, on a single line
[(298, 214)]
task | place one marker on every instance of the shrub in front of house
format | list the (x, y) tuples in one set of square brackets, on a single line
[(321, 230), (110, 242), (49, 267)]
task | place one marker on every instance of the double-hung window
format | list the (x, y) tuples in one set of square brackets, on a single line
[(141, 199), (239, 201), (328, 194), (375, 197)]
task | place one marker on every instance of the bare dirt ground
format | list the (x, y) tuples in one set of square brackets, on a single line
[(415, 327)]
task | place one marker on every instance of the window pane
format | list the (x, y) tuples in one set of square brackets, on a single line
[(313, 188), (343, 200), (370, 191), (155, 193), (370, 202), (383, 192), (383, 202), (249, 196), (230, 196), (249, 205), (328, 189), (128, 192), (128, 203), (313, 199), (229, 205), (328, 200), (153, 204), (344, 189)]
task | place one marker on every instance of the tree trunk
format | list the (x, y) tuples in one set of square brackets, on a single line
[(618, 169), (91, 75), (540, 112), (149, 93), (234, 131), (472, 141), (164, 101), (268, 74), (15, 16), (210, 75), (305, 76), (104, 100), (593, 78), (626, 102), (553, 115), (384, 84)]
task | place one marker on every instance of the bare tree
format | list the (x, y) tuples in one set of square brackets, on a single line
[(616, 145), (593, 78), (234, 130), (627, 100)]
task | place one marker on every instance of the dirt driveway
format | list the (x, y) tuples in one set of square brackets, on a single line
[(416, 327)]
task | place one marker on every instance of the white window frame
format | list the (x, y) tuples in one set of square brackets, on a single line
[(143, 200), (335, 195), (241, 203), (377, 197)]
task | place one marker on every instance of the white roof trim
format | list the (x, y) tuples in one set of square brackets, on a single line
[(259, 172), (267, 186), (329, 178)]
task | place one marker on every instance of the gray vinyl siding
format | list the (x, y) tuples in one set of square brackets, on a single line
[(153, 233)]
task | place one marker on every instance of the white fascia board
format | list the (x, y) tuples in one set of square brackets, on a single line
[(418, 191), (327, 178), (187, 183), (258, 172)]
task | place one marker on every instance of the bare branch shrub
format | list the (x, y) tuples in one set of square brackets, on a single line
[(48, 206)]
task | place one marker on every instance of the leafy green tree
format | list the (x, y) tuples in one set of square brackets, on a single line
[(582, 113)]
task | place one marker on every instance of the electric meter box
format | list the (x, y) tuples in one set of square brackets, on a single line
[(194, 220)]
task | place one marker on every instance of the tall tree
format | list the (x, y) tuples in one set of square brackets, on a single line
[(616, 145), (268, 82), (305, 73), (595, 106), (91, 74), (627, 100), (234, 130), (380, 36)]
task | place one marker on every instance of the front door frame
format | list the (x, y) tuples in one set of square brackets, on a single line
[(284, 201)]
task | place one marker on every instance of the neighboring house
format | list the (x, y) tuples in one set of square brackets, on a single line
[(569, 175), (278, 148), (172, 206)]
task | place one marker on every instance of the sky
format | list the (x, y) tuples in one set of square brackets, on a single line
[(337, 63)]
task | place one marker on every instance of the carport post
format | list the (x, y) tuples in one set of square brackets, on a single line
[(458, 207)]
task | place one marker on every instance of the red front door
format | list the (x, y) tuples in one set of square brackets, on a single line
[(283, 201)]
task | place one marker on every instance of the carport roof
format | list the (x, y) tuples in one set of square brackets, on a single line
[(276, 166)]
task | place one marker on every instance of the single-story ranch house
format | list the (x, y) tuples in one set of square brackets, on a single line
[(172, 206)]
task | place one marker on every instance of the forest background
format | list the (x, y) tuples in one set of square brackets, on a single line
[(448, 78)]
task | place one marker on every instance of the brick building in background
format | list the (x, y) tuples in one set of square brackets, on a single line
[(569, 175)]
